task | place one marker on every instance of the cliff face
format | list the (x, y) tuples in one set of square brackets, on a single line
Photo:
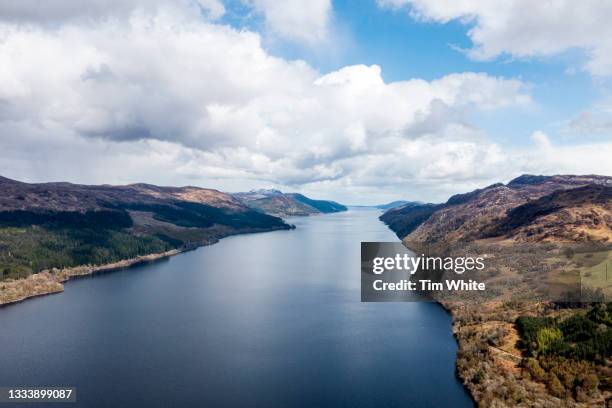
[(527, 208), (56, 225), (277, 203)]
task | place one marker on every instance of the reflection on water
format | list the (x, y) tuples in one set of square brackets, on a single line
[(272, 320)]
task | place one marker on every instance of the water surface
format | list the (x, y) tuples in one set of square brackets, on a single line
[(266, 320)]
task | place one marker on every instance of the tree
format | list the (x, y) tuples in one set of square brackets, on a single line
[(548, 338)]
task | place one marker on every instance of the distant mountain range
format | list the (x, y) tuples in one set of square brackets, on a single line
[(56, 225), (527, 209), (277, 203)]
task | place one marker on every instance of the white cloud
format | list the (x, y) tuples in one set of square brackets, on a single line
[(586, 158), (525, 28), (304, 21), (215, 89), (171, 98), (60, 11), (594, 122), (541, 140)]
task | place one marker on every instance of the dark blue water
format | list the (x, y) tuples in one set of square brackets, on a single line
[(266, 320)]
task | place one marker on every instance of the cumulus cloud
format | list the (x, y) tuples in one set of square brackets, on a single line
[(525, 28), (586, 158), (297, 20), (172, 98), (541, 140), (212, 88), (596, 122), (60, 11)]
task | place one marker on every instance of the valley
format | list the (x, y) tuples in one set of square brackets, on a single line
[(51, 232)]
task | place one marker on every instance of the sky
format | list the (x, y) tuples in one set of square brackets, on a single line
[(362, 101)]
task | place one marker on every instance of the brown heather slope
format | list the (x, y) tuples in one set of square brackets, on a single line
[(77, 197), (582, 214), (537, 234), (482, 213), (74, 229)]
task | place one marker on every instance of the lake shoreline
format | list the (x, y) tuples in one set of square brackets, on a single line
[(455, 328), (194, 300), (49, 282)]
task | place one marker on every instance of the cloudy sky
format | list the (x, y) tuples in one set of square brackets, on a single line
[(361, 101)]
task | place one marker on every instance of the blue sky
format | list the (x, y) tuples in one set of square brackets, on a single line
[(405, 48)]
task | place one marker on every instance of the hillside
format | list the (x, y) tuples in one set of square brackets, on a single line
[(405, 219), (582, 214), (484, 213), (277, 203), (540, 334), (59, 225), (323, 206), (395, 204)]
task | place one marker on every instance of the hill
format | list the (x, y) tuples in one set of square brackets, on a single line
[(405, 219), (494, 211), (541, 333), (277, 203), (396, 204), (59, 225), (582, 214)]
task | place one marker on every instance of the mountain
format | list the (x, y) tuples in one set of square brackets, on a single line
[(574, 215), (57, 225), (277, 203), (546, 242), (324, 206), (523, 209), (395, 204), (405, 219)]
